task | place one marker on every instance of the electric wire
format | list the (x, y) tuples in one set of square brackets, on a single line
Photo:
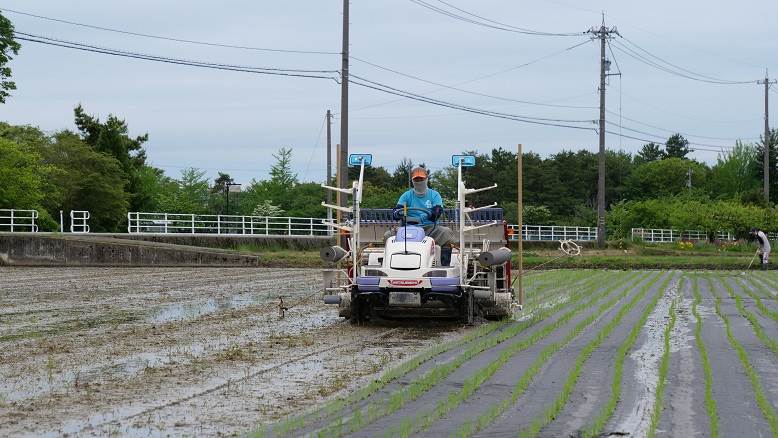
[(534, 120), (317, 74), (637, 56), (475, 93), (504, 24), (160, 37), (315, 146), (442, 86), (675, 131), (658, 136), (711, 78), (505, 28)]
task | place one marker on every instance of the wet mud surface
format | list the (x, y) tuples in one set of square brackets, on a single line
[(172, 351), (183, 352)]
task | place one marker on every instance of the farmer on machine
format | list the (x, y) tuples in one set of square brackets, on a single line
[(426, 205), (764, 246)]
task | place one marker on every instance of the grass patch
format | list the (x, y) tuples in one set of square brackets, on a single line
[(618, 370), (664, 365), (631, 261), (421, 385), (710, 402), (761, 400), (425, 419)]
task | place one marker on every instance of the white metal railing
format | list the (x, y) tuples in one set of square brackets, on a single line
[(78, 221), (663, 235), (167, 223), (553, 233), (18, 220)]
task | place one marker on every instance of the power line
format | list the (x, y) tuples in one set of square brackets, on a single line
[(318, 74), (674, 131), (178, 40), (710, 78), (475, 93), (526, 119), (486, 22), (443, 86), (660, 136), (504, 24), (699, 78)]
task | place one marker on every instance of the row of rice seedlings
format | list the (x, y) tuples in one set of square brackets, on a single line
[(769, 280), (424, 419), (761, 400), (710, 402), (292, 424), (663, 367), (494, 411), (618, 370), (766, 312), (415, 389), (586, 353), (562, 280), (337, 406), (755, 325)]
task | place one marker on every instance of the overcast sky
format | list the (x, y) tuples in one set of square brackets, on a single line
[(231, 121)]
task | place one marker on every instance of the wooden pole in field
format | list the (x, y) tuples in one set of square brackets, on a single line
[(520, 207)]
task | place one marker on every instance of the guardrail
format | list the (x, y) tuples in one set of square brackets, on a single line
[(553, 233), (78, 221), (18, 220), (168, 223), (662, 235)]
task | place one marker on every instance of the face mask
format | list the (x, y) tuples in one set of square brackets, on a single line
[(420, 187)]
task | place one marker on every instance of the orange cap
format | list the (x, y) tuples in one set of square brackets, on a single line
[(419, 172)]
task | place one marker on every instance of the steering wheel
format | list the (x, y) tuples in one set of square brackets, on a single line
[(410, 220)]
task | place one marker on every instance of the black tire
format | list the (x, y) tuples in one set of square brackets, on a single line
[(467, 308)]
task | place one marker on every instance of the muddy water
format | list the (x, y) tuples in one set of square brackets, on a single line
[(95, 351)]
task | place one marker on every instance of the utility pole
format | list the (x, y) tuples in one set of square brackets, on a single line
[(329, 163), (689, 179), (343, 156), (602, 33), (767, 139)]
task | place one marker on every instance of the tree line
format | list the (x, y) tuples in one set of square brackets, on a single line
[(103, 169)]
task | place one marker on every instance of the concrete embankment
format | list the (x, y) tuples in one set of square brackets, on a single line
[(53, 249)]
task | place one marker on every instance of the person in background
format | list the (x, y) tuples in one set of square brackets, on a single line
[(764, 246)]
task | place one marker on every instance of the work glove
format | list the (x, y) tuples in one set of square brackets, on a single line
[(397, 213), (437, 211)]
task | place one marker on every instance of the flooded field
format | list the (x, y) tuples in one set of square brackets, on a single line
[(179, 351)]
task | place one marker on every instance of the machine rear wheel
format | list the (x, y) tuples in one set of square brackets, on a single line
[(467, 308)]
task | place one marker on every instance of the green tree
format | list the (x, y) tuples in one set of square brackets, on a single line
[(85, 180), (281, 172), (665, 178), (22, 176), (676, 147), (112, 137), (401, 175), (9, 47), (648, 153), (736, 172), (187, 195)]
